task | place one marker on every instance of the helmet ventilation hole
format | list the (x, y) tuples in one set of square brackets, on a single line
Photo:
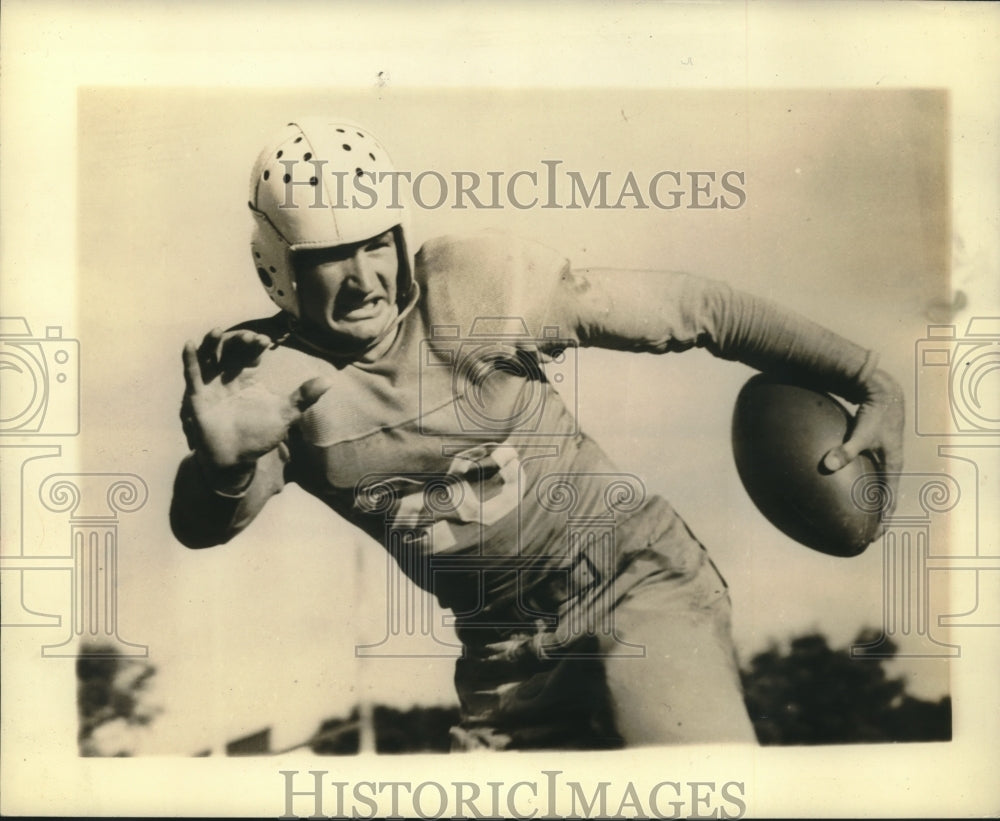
[(362, 154)]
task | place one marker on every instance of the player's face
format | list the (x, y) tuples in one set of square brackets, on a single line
[(347, 294)]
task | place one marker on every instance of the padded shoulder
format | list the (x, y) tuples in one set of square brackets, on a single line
[(488, 276)]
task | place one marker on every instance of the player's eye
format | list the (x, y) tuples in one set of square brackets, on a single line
[(383, 241)]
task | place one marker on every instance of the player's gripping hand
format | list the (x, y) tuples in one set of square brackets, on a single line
[(877, 429), (230, 416)]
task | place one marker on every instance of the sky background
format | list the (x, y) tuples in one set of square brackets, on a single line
[(845, 220)]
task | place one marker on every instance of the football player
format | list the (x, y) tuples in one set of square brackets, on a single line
[(409, 393)]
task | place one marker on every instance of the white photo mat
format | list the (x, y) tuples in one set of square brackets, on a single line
[(867, 140)]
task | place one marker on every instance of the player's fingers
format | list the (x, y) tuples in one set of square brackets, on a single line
[(835, 459), (842, 455), (256, 344), (893, 461), (892, 466), (192, 368), (863, 436), (208, 353), (188, 422), (242, 349), (309, 392), (889, 496), (210, 342), (248, 340)]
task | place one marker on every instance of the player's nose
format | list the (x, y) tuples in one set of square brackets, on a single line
[(362, 272)]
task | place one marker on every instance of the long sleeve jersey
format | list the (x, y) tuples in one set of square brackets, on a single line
[(457, 440), (458, 449)]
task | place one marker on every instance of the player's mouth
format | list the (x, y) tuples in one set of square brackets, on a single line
[(357, 310)]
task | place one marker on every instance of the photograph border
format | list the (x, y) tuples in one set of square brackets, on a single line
[(51, 49)]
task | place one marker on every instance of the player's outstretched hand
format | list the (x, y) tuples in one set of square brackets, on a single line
[(877, 429), (231, 417)]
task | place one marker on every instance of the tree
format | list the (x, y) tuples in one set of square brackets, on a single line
[(813, 694), (113, 703), (417, 730), (807, 693), (338, 736)]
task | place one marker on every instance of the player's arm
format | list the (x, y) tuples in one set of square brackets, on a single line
[(236, 426), (660, 312), (208, 509)]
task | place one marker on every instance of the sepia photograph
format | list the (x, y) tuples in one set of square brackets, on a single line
[(409, 442)]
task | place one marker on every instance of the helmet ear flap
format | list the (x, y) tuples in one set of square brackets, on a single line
[(272, 259)]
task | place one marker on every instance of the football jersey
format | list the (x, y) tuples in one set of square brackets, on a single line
[(459, 451), (455, 448)]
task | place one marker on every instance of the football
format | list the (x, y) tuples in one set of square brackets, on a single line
[(781, 432)]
